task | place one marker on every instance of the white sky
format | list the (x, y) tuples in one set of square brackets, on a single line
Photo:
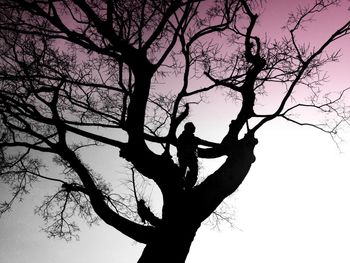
[(292, 207)]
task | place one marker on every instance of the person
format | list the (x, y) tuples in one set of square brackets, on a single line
[(187, 147)]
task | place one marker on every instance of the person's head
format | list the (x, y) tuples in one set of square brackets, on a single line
[(189, 127)]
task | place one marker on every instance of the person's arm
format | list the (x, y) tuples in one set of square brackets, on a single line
[(206, 143)]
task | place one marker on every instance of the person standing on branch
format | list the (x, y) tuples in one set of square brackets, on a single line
[(187, 148)]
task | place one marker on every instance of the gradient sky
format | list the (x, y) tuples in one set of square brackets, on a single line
[(292, 207)]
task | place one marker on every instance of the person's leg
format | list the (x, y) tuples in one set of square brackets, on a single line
[(183, 164), (183, 169), (192, 174)]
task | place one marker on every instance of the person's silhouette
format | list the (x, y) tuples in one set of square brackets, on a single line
[(187, 145)]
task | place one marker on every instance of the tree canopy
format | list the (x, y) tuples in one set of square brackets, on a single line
[(126, 75)]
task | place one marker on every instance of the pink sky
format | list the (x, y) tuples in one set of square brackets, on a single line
[(277, 218)]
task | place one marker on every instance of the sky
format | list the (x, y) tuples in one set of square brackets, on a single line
[(292, 207)]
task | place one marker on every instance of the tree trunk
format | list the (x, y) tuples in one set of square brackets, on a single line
[(171, 244)]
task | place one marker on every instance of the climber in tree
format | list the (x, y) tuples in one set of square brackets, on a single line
[(187, 146)]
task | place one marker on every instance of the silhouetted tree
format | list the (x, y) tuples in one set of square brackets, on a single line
[(81, 73)]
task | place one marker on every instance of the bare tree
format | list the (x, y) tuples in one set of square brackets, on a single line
[(81, 73)]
